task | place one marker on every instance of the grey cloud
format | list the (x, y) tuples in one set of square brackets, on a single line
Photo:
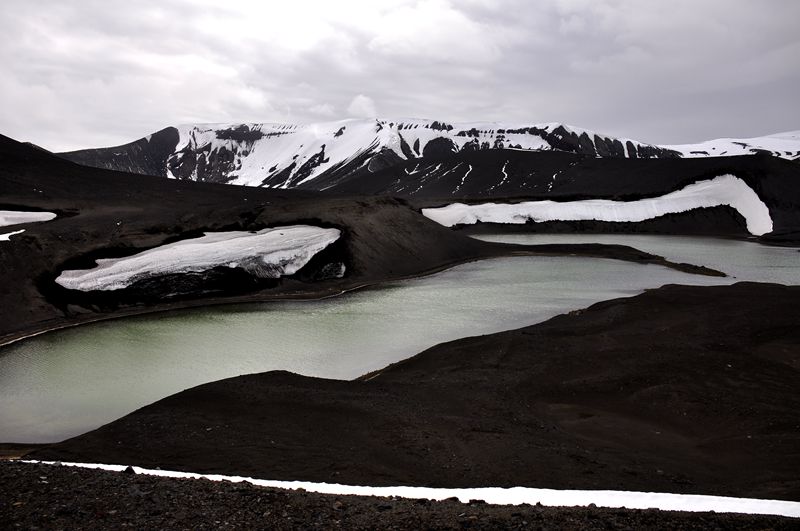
[(104, 72)]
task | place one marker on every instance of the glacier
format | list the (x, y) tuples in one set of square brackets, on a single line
[(268, 253), (727, 190)]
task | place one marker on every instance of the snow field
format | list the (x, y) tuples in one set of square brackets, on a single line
[(785, 145), (268, 253), (723, 190)]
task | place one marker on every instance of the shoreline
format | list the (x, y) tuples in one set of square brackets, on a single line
[(524, 405), (612, 499), (504, 250), (78, 498)]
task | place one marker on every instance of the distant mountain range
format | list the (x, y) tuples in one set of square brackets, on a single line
[(414, 152)]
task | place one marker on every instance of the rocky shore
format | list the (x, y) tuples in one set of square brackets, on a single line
[(51, 497), (680, 389)]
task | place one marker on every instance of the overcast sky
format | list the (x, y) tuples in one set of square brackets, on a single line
[(89, 73)]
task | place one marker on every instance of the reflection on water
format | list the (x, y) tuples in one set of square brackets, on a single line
[(68, 382)]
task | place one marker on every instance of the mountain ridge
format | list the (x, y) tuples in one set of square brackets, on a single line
[(280, 155)]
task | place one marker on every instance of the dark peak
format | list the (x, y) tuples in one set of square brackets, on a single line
[(241, 133)]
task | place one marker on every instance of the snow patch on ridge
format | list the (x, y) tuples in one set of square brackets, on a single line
[(502, 496), (463, 178), (269, 253), (7, 236), (725, 190), (784, 145), (17, 217)]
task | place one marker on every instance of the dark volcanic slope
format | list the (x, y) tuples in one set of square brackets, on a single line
[(146, 156), (105, 213), (505, 173), (38, 496), (681, 389), (717, 221)]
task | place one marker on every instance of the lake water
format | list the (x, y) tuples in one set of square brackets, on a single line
[(67, 382), (740, 259)]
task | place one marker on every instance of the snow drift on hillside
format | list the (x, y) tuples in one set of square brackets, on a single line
[(724, 190), (269, 253), (18, 217), (7, 236)]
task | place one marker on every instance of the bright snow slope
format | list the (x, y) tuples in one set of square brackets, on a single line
[(269, 253), (784, 145)]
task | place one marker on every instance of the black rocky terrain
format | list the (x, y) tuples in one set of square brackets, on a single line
[(146, 156), (719, 221), (680, 389)]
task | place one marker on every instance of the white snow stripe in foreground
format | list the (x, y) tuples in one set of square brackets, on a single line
[(269, 253), (7, 236), (724, 190), (17, 217), (505, 496)]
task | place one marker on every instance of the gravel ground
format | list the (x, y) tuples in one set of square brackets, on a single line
[(50, 497), (681, 389)]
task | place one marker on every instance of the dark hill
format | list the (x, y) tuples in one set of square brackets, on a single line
[(146, 156), (680, 389)]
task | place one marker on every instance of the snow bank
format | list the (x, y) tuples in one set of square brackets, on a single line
[(269, 253), (17, 217), (506, 496), (7, 236), (724, 190)]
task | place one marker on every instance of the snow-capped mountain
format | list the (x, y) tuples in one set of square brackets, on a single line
[(328, 155), (784, 145), (290, 155)]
